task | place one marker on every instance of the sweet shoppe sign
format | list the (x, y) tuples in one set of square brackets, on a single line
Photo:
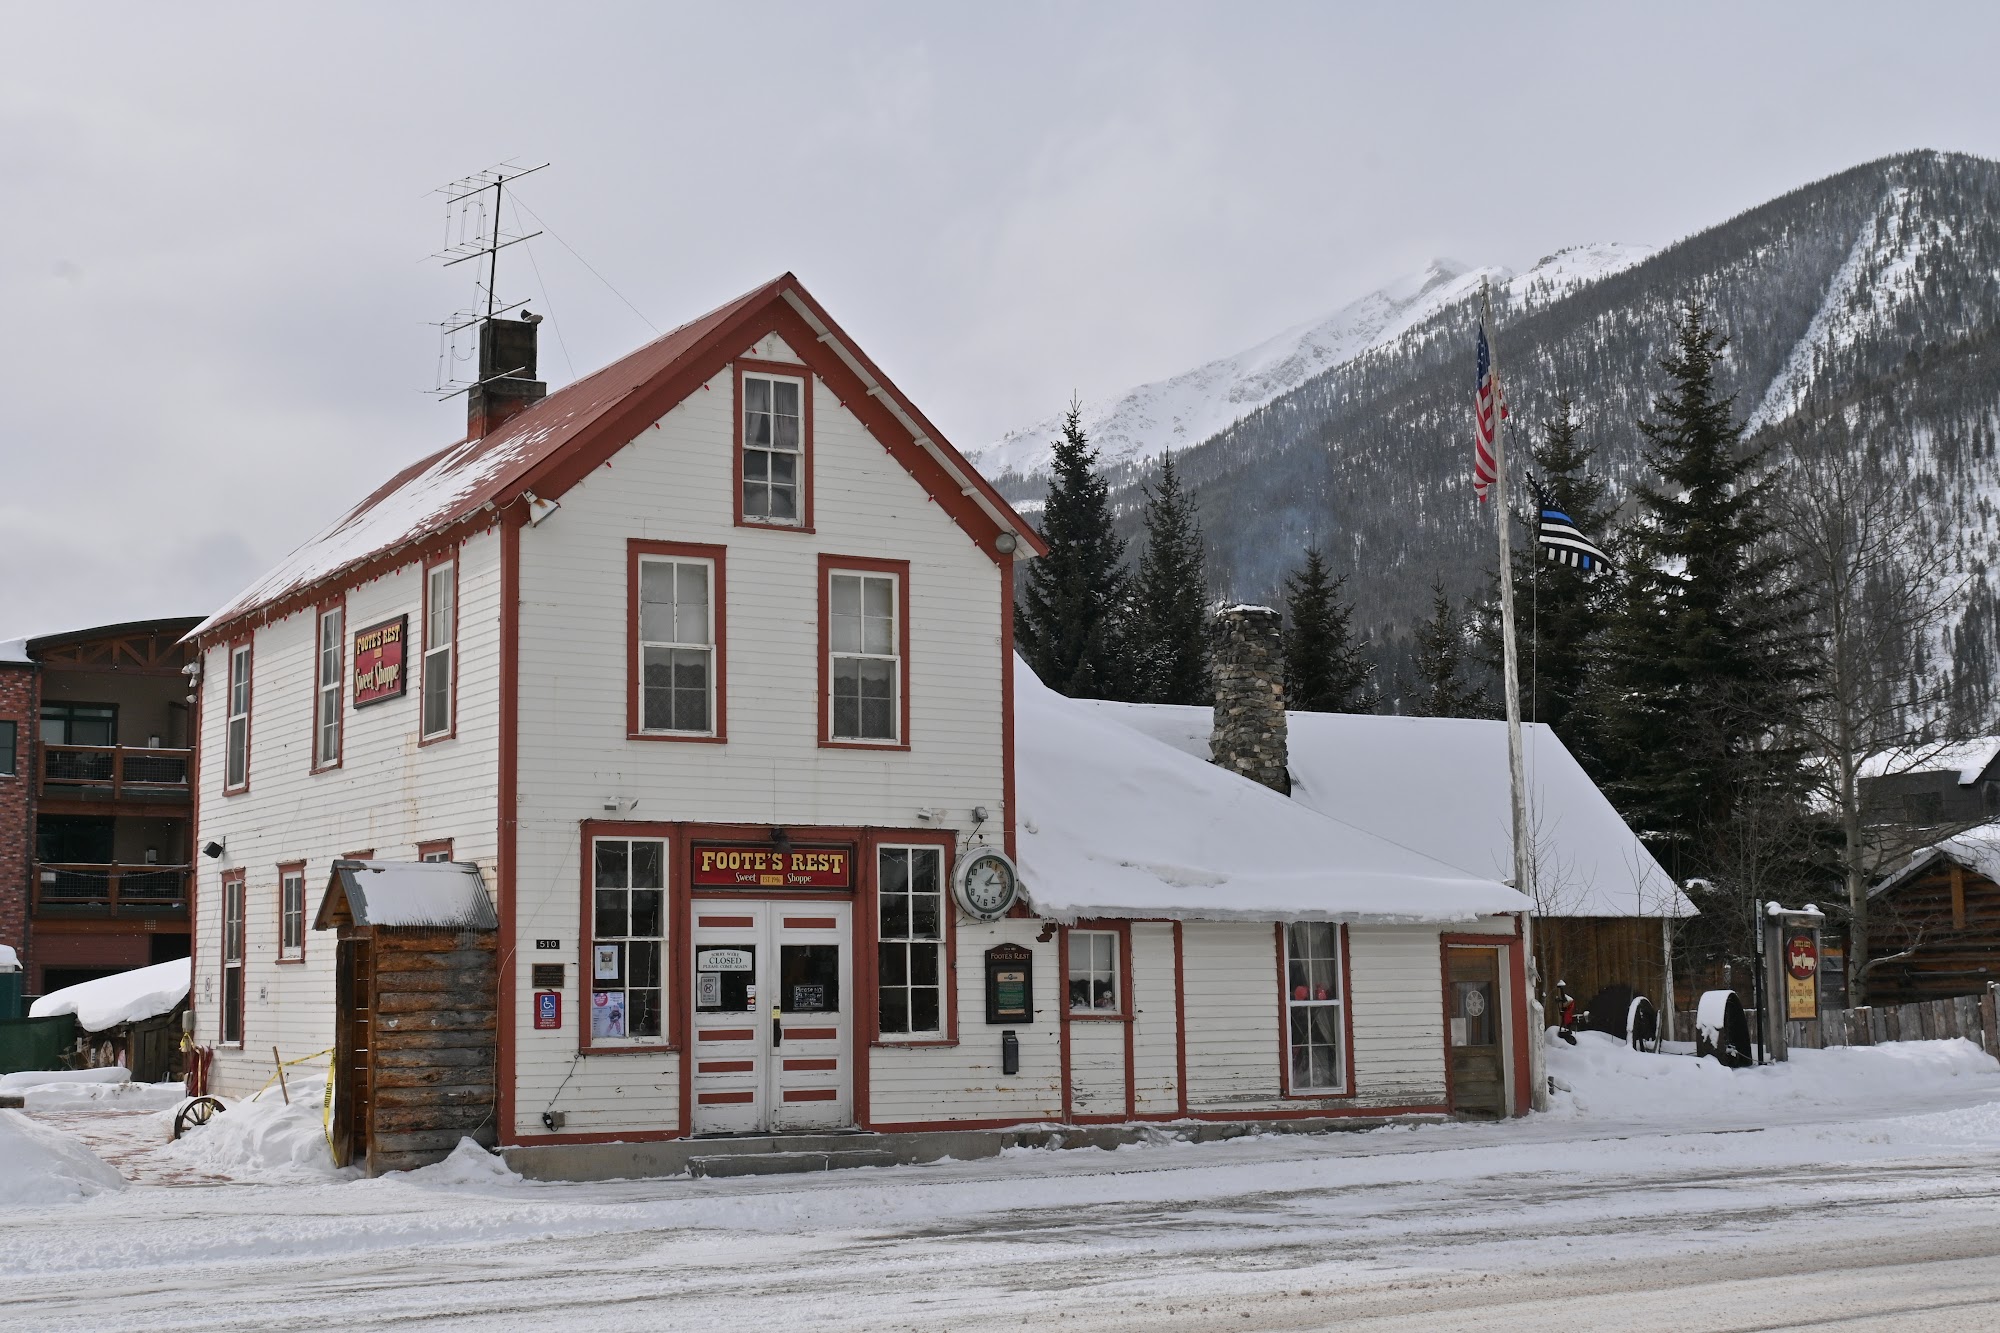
[(378, 662)]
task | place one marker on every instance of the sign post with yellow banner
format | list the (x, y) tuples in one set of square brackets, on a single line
[(1792, 970)]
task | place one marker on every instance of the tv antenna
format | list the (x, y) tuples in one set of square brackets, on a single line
[(473, 231)]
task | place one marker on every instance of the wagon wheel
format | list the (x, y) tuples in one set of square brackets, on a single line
[(198, 1111)]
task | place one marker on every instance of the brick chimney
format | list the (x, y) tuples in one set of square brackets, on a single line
[(507, 383), (1249, 673)]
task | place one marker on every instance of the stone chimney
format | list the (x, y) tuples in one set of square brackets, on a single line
[(1249, 673), (507, 382)]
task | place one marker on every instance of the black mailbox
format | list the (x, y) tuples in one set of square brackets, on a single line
[(1010, 984)]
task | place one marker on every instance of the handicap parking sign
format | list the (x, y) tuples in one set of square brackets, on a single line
[(548, 1009)]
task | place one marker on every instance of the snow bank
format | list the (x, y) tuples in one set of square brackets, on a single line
[(262, 1141), (128, 997), (39, 1165), (469, 1164), (29, 1078), (61, 1096), (1114, 823), (9, 960), (1603, 1078)]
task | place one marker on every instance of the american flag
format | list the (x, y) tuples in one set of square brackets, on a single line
[(1488, 396)]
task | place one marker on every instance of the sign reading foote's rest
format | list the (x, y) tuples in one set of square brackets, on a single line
[(769, 868), (378, 662)]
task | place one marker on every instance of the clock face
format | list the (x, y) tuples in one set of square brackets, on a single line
[(987, 885)]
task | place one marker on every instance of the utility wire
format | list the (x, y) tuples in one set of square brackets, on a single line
[(550, 306), (586, 263)]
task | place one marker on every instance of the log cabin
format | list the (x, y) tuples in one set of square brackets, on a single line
[(1934, 922)]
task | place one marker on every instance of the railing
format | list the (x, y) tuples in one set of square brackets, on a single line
[(134, 890), (120, 768)]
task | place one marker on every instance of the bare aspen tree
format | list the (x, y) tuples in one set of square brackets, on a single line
[(1880, 590)]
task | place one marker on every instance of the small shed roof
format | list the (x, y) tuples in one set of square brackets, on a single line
[(434, 895), (1976, 848), (1969, 759)]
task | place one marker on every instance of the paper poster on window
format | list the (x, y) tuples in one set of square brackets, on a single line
[(808, 999), (708, 990), (606, 966), (607, 1013)]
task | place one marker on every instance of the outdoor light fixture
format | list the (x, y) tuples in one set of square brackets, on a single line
[(1006, 543), (538, 508), (214, 850), (781, 842)]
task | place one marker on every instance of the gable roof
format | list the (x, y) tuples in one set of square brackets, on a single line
[(1969, 759), (432, 895), (551, 445), (1438, 785), (1976, 848), (1115, 824)]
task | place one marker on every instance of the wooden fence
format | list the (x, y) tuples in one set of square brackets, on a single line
[(1973, 1017)]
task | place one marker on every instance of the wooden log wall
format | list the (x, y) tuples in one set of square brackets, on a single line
[(435, 1057), (1951, 916), (1976, 1018)]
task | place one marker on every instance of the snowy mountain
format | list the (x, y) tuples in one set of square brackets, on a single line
[(1177, 413), (1864, 315)]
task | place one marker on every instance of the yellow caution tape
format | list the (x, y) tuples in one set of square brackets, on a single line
[(287, 1064)]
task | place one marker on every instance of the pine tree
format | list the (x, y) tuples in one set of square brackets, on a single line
[(1437, 688), (1326, 670), (1561, 614), (1702, 694), (1170, 599), (1069, 624)]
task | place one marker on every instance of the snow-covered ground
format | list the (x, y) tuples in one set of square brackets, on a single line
[(1859, 1186)]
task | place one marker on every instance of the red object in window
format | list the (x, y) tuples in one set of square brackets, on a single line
[(1299, 993)]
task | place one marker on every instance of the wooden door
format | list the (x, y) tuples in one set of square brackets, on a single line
[(1473, 1031), (353, 1042)]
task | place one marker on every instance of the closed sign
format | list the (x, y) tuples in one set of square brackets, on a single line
[(722, 960)]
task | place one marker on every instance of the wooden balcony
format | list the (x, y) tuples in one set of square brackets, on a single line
[(111, 890), (116, 772)]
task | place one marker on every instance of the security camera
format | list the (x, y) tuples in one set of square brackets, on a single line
[(214, 850)]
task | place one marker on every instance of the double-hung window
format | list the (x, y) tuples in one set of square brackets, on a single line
[(1315, 1028), (291, 913), (774, 458), (326, 715), (232, 957), (628, 938), (440, 646), (1093, 972), (909, 949), (866, 667), (236, 756), (9, 741), (676, 637)]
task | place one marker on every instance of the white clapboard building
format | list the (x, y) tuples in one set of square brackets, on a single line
[(702, 666)]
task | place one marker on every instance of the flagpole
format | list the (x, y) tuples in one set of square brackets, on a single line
[(1524, 854)]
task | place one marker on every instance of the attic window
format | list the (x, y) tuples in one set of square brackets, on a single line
[(774, 448)]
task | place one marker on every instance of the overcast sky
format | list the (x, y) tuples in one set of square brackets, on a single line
[(213, 241)]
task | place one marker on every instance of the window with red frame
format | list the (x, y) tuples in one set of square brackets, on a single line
[(627, 953), (1315, 1028), (774, 448), (291, 913), (910, 943), (232, 958)]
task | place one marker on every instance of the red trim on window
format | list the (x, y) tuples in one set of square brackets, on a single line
[(787, 369), (867, 933), (508, 746), (338, 602), (673, 915), (425, 850), (1346, 1021), (719, 618), (238, 878), (1122, 928), (245, 640), (855, 564), (448, 555), (285, 867), (365, 854)]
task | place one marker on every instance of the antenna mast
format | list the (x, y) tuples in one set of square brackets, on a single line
[(469, 235)]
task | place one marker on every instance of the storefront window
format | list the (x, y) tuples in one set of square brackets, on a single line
[(1093, 972), (628, 938), (910, 947), (1314, 1024)]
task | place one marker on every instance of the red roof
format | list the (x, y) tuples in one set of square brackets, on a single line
[(552, 445)]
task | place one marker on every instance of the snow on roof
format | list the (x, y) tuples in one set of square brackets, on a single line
[(9, 960), (1970, 759), (14, 652), (445, 895), (1115, 824), (1439, 786), (1976, 848), (127, 997)]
